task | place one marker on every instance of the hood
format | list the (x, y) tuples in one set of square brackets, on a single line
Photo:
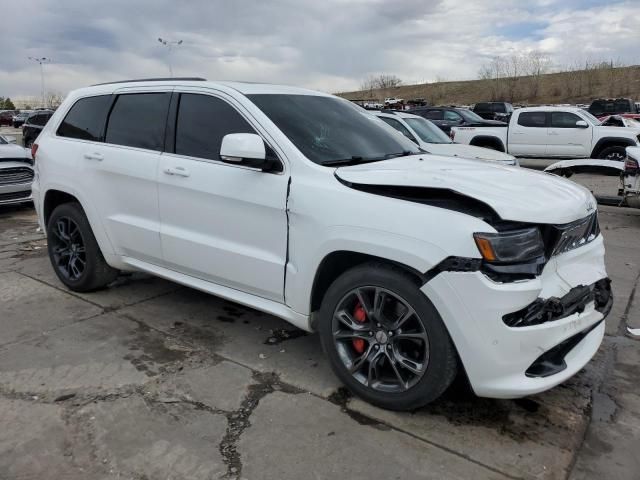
[(515, 194), (11, 150), (469, 151)]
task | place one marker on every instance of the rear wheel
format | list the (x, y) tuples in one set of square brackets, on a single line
[(615, 152), (384, 338), (74, 253)]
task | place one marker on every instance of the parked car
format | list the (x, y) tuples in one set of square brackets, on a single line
[(493, 110), (392, 100), (19, 118), (302, 205), (6, 117), (16, 172), (631, 120), (447, 117), (630, 178), (612, 106), (564, 132), (34, 125), (429, 137)]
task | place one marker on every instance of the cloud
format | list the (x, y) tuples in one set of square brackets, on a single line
[(330, 45)]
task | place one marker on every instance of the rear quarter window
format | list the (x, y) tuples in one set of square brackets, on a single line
[(86, 119)]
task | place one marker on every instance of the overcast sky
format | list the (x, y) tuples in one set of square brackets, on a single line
[(324, 44)]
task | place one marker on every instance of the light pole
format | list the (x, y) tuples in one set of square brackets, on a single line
[(41, 61), (169, 44)]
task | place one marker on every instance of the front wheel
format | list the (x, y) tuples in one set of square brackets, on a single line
[(617, 153), (384, 338)]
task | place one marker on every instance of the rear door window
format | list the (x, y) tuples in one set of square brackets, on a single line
[(138, 120), (533, 119), (452, 116), (203, 121), (86, 119)]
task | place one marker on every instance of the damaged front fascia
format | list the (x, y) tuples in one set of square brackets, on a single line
[(554, 308)]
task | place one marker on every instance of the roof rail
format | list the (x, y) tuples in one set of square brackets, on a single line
[(162, 79)]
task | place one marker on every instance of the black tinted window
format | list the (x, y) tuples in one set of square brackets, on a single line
[(564, 120), (138, 120), (533, 119), (37, 120), (481, 107), (432, 114), (202, 122), (86, 118)]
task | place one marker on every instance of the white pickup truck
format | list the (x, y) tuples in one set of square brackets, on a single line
[(555, 132)]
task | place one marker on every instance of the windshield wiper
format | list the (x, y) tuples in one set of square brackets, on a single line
[(404, 153), (357, 159)]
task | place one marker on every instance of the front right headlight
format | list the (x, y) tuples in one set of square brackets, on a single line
[(515, 246)]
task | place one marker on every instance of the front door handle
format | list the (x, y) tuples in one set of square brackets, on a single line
[(553, 133), (179, 171), (94, 156)]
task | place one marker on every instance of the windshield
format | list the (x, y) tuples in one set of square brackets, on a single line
[(2, 140), (469, 116), (330, 130), (593, 120), (427, 131)]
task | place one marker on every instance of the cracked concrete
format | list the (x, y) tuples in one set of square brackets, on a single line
[(148, 379)]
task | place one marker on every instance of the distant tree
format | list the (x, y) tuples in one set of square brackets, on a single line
[(381, 81), (54, 99), (8, 104)]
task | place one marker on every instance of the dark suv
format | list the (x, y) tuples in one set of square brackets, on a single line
[(447, 117), (603, 107), (494, 110), (34, 125)]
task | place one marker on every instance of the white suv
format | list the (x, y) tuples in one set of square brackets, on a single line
[(410, 266)]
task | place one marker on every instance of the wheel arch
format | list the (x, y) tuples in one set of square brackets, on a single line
[(337, 262), (606, 142), (488, 141), (56, 195)]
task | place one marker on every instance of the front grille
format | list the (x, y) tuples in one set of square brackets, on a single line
[(564, 238), (15, 175), (15, 195)]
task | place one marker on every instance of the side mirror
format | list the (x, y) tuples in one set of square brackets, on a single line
[(237, 147), (582, 124), (249, 149)]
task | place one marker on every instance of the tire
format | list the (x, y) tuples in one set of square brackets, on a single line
[(396, 387), (616, 152), (73, 251), (28, 142)]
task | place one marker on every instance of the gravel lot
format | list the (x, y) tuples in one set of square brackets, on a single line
[(148, 379)]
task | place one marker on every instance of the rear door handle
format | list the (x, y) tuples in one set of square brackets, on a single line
[(179, 171), (94, 156)]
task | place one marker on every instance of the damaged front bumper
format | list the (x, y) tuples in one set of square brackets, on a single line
[(524, 337)]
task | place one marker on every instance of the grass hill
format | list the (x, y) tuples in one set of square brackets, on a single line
[(576, 86)]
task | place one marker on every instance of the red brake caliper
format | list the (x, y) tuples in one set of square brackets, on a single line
[(360, 316)]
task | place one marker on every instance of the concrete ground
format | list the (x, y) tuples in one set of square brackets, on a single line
[(151, 380)]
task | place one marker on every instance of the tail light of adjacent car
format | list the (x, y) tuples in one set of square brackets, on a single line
[(631, 166), (34, 150)]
